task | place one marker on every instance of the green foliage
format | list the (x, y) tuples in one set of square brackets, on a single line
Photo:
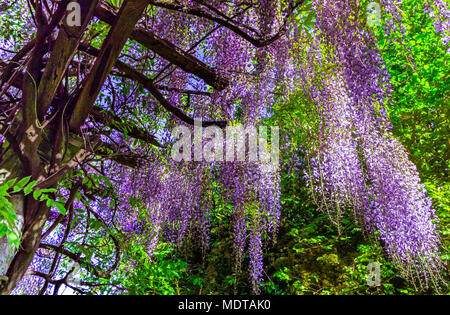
[(8, 216), (419, 108), (13, 26), (440, 193), (313, 259), (159, 275)]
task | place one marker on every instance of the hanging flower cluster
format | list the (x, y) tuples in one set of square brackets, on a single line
[(355, 161), (178, 198)]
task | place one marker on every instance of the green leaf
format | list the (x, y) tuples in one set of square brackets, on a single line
[(13, 239), (10, 183), (61, 208), (3, 230), (27, 190), (18, 187), (37, 194)]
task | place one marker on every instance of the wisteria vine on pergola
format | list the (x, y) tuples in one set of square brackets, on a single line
[(86, 113)]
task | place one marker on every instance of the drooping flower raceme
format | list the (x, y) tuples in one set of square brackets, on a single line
[(356, 162)]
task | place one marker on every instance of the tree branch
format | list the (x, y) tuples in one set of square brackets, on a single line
[(150, 86), (63, 51), (257, 42), (169, 51), (77, 258), (123, 25), (116, 123)]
